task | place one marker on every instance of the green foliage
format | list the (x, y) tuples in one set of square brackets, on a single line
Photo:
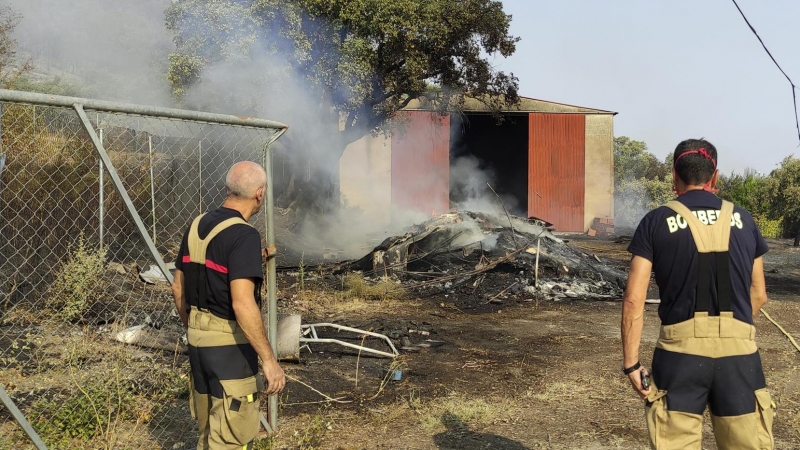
[(366, 58), (632, 161), (83, 416), (641, 183), (184, 70), (10, 67), (770, 228), (267, 443), (745, 190), (782, 192), (78, 283)]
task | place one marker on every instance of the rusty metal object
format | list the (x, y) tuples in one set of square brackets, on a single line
[(556, 169)]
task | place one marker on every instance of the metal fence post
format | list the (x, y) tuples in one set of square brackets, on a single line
[(2, 162), (200, 173), (152, 185), (101, 181), (272, 299), (15, 412)]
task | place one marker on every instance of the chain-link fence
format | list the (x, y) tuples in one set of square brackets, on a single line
[(93, 205)]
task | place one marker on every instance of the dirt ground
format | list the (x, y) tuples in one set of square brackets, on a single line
[(520, 374)]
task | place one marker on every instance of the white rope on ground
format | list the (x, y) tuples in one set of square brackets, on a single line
[(786, 333)]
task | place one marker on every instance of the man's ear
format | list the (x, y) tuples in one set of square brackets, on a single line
[(712, 183)]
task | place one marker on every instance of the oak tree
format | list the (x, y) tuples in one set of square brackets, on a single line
[(783, 195), (360, 61)]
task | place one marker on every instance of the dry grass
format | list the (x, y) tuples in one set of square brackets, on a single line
[(86, 391), (354, 295), (563, 396), (355, 286), (459, 409), (580, 387), (305, 432), (454, 410)]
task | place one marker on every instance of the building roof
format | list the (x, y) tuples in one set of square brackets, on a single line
[(525, 105)]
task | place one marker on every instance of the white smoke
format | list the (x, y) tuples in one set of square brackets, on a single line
[(120, 51), (117, 50), (470, 187)]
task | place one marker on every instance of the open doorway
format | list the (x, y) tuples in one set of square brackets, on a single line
[(484, 149)]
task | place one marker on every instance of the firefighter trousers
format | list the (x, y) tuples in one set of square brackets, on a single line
[(223, 394), (714, 362)]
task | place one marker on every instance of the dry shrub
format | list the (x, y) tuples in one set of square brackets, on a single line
[(78, 283), (356, 286), (98, 401)]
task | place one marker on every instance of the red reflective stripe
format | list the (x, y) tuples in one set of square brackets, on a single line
[(214, 266), (210, 264)]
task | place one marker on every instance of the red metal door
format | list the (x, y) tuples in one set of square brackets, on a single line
[(421, 164), (556, 169)]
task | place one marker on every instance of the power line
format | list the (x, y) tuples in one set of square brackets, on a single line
[(794, 87)]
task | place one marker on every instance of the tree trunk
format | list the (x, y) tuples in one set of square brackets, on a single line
[(337, 145), (314, 184), (314, 160), (797, 239)]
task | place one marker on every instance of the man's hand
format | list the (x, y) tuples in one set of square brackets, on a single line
[(636, 382), (269, 251), (276, 379)]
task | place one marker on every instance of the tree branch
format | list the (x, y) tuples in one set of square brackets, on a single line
[(349, 121)]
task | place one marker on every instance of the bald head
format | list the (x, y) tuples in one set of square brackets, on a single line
[(244, 179)]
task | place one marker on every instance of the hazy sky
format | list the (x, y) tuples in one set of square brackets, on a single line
[(671, 69)]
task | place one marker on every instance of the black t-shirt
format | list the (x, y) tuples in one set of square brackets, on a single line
[(664, 238), (233, 254)]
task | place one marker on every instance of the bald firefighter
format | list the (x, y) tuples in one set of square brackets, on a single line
[(217, 293), (706, 254)]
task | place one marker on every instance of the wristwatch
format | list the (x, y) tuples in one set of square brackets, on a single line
[(631, 369)]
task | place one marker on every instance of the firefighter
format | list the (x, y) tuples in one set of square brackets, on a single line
[(706, 255), (217, 289)]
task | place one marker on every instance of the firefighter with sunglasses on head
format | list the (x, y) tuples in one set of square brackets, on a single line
[(706, 255)]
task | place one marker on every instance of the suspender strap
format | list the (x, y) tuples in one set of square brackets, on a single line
[(202, 287), (198, 247), (197, 254), (703, 301), (724, 283), (708, 238), (712, 243)]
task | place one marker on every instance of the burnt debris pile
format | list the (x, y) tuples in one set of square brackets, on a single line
[(481, 259)]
